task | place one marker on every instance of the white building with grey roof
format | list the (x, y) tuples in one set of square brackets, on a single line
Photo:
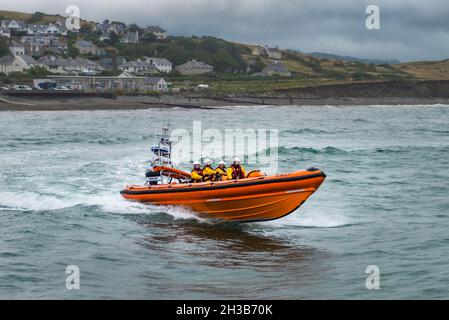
[(193, 67), (14, 25), (161, 64)]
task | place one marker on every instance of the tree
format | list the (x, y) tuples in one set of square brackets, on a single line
[(113, 38), (73, 51), (211, 45), (134, 27), (257, 66), (38, 72), (4, 47), (149, 37), (36, 17)]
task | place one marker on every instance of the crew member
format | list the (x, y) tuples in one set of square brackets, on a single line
[(208, 172), (220, 171), (197, 173), (236, 170)]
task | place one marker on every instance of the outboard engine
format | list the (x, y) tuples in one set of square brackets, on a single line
[(153, 178)]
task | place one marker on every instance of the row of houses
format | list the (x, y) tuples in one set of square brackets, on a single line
[(147, 65), (144, 66), (58, 28), (106, 27), (56, 65), (125, 82), (9, 25), (36, 45)]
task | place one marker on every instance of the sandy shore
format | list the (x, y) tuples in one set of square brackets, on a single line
[(146, 102)]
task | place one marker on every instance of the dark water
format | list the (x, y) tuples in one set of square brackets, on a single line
[(385, 202)]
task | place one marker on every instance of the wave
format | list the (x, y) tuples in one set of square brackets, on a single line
[(297, 150), (110, 202), (311, 219), (31, 201), (437, 131), (404, 149), (360, 120), (285, 151), (305, 130), (18, 142)]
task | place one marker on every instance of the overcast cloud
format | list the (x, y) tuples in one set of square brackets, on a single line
[(410, 29)]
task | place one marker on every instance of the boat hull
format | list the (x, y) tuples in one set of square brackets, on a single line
[(254, 199)]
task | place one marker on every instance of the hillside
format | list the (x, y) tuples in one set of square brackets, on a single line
[(427, 70), (235, 62), (37, 17), (323, 55)]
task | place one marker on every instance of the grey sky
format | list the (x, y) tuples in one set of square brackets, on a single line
[(410, 29)]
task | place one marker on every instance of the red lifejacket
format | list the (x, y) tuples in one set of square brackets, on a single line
[(237, 172)]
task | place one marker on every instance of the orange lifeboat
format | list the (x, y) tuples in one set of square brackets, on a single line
[(256, 198)]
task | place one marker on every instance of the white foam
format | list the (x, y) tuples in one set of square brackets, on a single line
[(311, 219), (182, 213), (114, 203), (24, 201)]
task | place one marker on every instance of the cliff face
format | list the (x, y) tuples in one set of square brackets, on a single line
[(389, 89)]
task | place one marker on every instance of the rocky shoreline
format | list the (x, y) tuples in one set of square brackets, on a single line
[(147, 102), (352, 94)]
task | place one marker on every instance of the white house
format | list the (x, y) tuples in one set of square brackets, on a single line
[(35, 29), (46, 29), (10, 63), (138, 67), (4, 32), (194, 67), (156, 84), (14, 25), (161, 64), (258, 51), (56, 29), (273, 53), (17, 48)]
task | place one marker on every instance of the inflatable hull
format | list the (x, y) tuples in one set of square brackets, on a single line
[(247, 200)]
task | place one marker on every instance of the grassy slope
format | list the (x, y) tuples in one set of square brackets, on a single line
[(426, 70), (48, 18)]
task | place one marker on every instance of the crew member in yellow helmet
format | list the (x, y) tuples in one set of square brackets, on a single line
[(236, 170), (208, 172), (197, 173), (220, 172)]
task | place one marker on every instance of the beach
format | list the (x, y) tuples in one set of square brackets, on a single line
[(345, 94), (134, 102)]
